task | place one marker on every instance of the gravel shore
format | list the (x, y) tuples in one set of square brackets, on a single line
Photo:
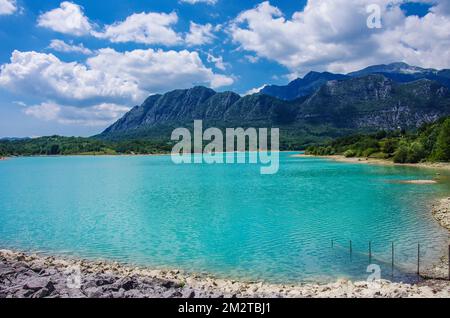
[(32, 276), (441, 212)]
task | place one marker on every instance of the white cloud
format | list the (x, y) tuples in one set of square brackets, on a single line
[(217, 61), (8, 7), (69, 18), (71, 92), (98, 115), (199, 1), (254, 90), (199, 34), (442, 7), (44, 76), (158, 70), (146, 28), (333, 35), (252, 59), (61, 46)]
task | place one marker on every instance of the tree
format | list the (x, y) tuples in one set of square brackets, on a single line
[(416, 153), (54, 150), (401, 155), (442, 150), (389, 146)]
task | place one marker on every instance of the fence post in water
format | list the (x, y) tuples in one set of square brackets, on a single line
[(392, 260), (351, 249), (418, 259), (332, 243)]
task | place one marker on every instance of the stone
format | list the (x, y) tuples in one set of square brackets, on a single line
[(6, 271), (93, 292), (39, 283), (128, 283), (119, 294), (189, 294), (176, 294), (23, 293), (42, 293), (104, 280), (133, 294), (171, 284)]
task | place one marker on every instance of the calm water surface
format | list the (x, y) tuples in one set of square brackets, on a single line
[(227, 220)]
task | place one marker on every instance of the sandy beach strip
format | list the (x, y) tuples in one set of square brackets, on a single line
[(382, 162)]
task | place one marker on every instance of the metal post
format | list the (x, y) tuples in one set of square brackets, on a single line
[(370, 252), (332, 243), (418, 259), (351, 250), (392, 259)]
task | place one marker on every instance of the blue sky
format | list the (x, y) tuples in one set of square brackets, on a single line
[(72, 68)]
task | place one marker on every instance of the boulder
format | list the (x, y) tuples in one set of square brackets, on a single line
[(37, 283)]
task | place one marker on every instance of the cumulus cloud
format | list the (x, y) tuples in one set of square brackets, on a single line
[(8, 7), (61, 46), (199, 1), (98, 115), (217, 61), (69, 18), (441, 7), (255, 90), (200, 34), (158, 70), (43, 75), (333, 35), (67, 92), (146, 28)]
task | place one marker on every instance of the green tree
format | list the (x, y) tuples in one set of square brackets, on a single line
[(442, 149), (416, 153), (389, 146), (401, 155)]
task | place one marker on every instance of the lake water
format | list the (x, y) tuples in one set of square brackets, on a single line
[(227, 220)]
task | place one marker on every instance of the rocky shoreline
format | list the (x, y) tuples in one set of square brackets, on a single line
[(32, 276), (441, 212)]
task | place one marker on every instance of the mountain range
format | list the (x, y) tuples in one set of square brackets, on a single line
[(399, 72), (317, 107)]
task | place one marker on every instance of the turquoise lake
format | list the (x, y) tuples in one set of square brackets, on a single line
[(227, 220)]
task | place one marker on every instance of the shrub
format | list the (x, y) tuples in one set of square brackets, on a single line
[(368, 152), (379, 155), (389, 146), (349, 153), (415, 153), (401, 155)]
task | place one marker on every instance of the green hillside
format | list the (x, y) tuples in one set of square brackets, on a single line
[(430, 143)]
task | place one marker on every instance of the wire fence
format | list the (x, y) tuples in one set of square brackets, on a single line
[(419, 262)]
